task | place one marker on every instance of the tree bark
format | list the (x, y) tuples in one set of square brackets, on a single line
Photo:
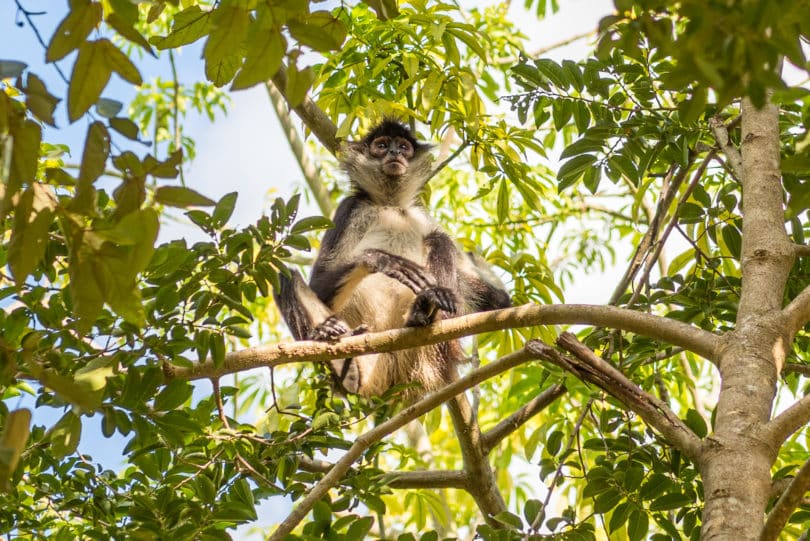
[(736, 460)]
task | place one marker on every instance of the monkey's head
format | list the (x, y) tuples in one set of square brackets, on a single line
[(388, 164)]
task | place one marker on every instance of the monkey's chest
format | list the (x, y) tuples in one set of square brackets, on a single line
[(398, 231)]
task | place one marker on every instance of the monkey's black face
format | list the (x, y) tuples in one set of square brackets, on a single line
[(395, 154)]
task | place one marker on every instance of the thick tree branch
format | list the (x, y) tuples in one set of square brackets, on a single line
[(797, 313), (732, 153), (364, 441), (497, 433), (312, 115), (484, 489), (802, 250), (667, 330), (401, 480), (311, 172), (590, 368), (785, 505), (780, 428)]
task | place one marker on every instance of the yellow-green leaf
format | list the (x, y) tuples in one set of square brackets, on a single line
[(119, 62), (74, 29), (24, 154), (12, 443), (189, 25), (320, 30), (222, 49), (90, 75), (37, 98), (262, 61), (298, 83), (179, 196), (29, 236), (65, 435), (127, 30), (94, 160)]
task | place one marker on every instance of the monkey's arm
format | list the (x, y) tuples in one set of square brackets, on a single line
[(484, 290)]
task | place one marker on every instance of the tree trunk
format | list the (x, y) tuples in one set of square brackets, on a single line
[(735, 463)]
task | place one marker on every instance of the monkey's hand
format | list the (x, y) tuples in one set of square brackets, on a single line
[(428, 303), (330, 330), (415, 277)]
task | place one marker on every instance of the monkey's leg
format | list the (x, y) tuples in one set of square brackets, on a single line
[(305, 314), (301, 309), (441, 263)]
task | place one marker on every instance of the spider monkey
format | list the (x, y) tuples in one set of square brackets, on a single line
[(387, 264)]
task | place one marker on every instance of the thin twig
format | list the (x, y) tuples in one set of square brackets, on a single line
[(497, 433), (720, 132)]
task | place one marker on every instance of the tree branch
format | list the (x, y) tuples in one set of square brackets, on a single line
[(802, 250), (495, 435), (796, 368), (484, 489), (667, 330), (400, 480), (780, 428), (784, 506), (732, 153), (797, 313), (308, 168), (364, 441), (590, 368), (311, 115)]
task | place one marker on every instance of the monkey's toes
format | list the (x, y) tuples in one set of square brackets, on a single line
[(331, 329)]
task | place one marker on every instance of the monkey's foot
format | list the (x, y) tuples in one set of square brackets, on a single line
[(427, 305), (330, 330)]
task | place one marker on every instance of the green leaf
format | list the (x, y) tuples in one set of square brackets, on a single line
[(173, 395), (732, 239), (697, 423), (222, 51), (12, 443), (509, 519), (65, 435), (94, 161), (320, 31), (41, 102), (89, 77), (125, 127), (312, 223), (72, 32), (119, 62), (179, 196), (24, 155), (29, 236), (673, 500), (262, 61), (298, 84), (224, 209), (127, 30), (637, 525), (607, 500), (108, 108), (188, 26), (573, 168)]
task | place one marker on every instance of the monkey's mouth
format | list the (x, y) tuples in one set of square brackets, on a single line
[(394, 167)]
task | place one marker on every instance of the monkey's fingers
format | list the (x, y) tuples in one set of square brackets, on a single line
[(413, 276), (427, 304), (445, 299), (329, 330)]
